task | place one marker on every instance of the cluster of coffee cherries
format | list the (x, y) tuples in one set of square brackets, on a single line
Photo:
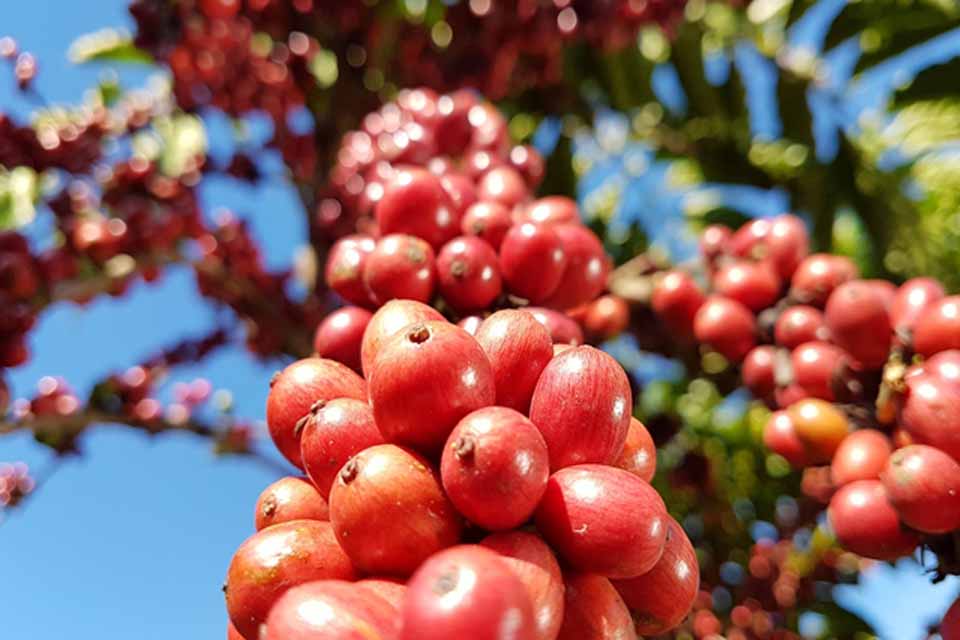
[(462, 486), (864, 376)]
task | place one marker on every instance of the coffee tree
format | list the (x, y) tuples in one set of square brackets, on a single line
[(498, 197)]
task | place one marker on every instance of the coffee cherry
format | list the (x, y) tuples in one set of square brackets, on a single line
[(495, 468), (587, 267), (340, 335), (582, 405), (818, 275), (714, 241), (426, 379), (757, 371), (799, 324), (606, 317), (504, 185), (461, 192), (945, 365), (563, 329), (930, 413), (819, 369), (676, 299), (726, 326), (783, 241), (753, 284), (639, 455), (856, 316), (603, 520), (275, 559), (337, 430), (594, 609), (489, 221), (529, 163), (387, 322), (549, 211), (345, 265), (532, 261), (820, 426), (390, 589), (923, 485), (296, 389), (532, 561), (400, 267), (861, 456), (331, 610), (415, 203), (912, 299), (389, 512), (938, 327), (490, 602), (867, 524), (468, 274), (289, 499), (519, 348), (660, 599)]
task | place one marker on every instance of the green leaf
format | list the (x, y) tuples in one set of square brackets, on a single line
[(107, 45)]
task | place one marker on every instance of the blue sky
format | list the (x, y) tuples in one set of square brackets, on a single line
[(132, 540)]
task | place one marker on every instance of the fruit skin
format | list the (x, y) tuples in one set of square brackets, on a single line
[(912, 298), (593, 610), (780, 436), (288, 499), (606, 317), (923, 485), (331, 610), (950, 625), (468, 274), (389, 512), (582, 405), (518, 348), (275, 559), (338, 430), (487, 220), (661, 598), (340, 335), (400, 267), (390, 589), (938, 327), (818, 275), (549, 210), (867, 524), (714, 241), (861, 456), (944, 365), (388, 321), (504, 185), (532, 561), (676, 299), (603, 520), (414, 203), (639, 455), (491, 603), (296, 389), (856, 315), (930, 412), (344, 270), (753, 284), (585, 274), (425, 379), (798, 324), (532, 261), (757, 371), (727, 326), (783, 241), (563, 329), (232, 633), (820, 426), (818, 368), (495, 468)]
